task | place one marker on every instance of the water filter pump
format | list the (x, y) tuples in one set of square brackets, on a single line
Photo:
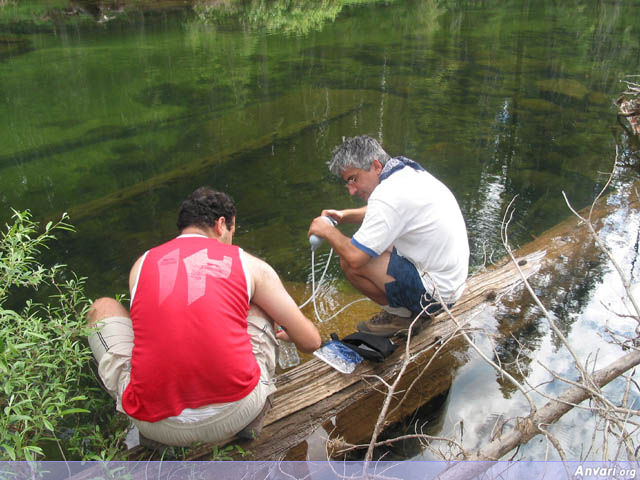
[(315, 240)]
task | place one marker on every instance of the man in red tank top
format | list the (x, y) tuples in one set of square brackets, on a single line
[(194, 360)]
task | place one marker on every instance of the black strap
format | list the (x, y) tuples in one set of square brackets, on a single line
[(370, 347)]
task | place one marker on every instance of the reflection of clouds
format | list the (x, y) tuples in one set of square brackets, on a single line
[(477, 399), (485, 214)]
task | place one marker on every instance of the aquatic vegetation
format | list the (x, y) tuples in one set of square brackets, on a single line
[(564, 86), (11, 46), (539, 105), (52, 405)]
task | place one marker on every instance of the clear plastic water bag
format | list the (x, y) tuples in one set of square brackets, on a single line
[(288, 356)]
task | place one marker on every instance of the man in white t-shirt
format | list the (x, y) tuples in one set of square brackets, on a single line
[(411, 251)]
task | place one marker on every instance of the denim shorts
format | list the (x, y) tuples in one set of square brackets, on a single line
[(407, 289)]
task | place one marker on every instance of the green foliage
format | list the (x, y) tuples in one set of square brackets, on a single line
[(287, 16), (298, 17), (48, 395), (20, 16), (227, 452)]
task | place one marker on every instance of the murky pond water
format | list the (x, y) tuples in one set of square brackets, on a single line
[(116, 124)]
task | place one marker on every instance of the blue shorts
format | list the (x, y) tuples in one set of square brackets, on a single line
[(407, 289)]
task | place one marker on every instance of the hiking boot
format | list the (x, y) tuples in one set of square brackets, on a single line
[(385, 324), (251, 431), (398, 311)]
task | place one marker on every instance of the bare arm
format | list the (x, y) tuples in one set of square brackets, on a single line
[(350, 215), (270, 295), (342, 245), (347, 251), (133, 274)]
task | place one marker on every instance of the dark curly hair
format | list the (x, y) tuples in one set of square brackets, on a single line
[(204, 207)]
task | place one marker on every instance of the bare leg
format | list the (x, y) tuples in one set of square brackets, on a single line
[(112, 340), (370, 278), (104, 308)]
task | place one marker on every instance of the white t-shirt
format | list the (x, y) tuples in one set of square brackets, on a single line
[(418, 215)]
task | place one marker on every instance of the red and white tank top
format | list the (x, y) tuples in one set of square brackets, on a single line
[(189, 315)]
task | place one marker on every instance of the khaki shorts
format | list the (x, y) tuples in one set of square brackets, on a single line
[(112, 344)]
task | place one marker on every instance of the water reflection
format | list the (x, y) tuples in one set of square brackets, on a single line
[(117, 123), (586, 297)]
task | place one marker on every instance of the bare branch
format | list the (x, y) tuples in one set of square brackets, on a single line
[(604, 248)]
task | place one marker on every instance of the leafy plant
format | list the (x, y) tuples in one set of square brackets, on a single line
[(292, 17), (226, 452), (49, 394)]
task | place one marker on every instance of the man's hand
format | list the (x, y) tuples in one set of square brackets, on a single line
[(320, 227), (270, 295), (281, 334), (335, 214), (342, 245), (349, 215)]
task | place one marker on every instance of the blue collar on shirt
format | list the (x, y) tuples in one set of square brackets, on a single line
[(398, 163)]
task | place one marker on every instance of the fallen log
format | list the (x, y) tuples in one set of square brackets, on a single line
[(313, 396), (629, 106), (313, 393)]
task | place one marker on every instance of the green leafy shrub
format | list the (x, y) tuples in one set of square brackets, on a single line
[(51, 404), (288, 16)]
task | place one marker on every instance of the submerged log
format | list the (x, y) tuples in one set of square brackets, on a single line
[(296, 113)]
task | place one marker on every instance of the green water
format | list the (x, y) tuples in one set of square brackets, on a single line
[(117, 122), (494, 99)]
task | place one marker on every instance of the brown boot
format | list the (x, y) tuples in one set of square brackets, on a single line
[(385, 324), (251, 431)]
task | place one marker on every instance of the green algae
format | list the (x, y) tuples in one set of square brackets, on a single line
[(564, 86), (538, 105)]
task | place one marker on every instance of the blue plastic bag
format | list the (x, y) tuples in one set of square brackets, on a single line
[(339, 356)]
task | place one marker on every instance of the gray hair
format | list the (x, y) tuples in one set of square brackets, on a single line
[(357, 152)]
